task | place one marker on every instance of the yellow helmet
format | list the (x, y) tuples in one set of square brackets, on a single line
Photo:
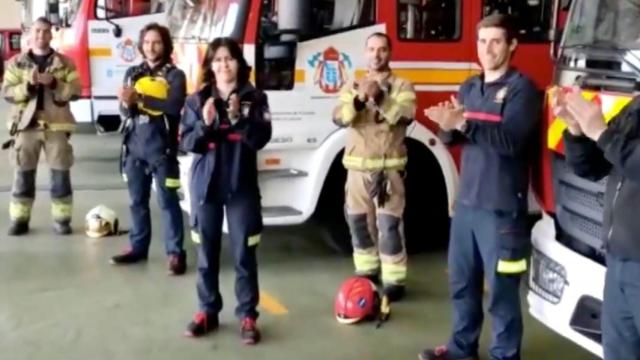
[(101, 221), (156, 87)]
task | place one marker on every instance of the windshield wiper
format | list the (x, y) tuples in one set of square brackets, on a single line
[(606, 45), (600, 44)]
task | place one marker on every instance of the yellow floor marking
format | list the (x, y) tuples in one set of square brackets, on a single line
[(271, 305)]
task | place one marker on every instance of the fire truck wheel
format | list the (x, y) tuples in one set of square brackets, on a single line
[(329, 218), (426, 215)]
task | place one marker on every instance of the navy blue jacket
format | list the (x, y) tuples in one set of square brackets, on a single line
[(237, 170), (502, 127), (616, 154), (156, 140)]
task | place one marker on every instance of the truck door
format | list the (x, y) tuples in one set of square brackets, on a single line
[(113, 42), (305, 53)]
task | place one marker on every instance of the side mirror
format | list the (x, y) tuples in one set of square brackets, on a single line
[(64, 19), (555, 32), (53, 11), (117, 30)]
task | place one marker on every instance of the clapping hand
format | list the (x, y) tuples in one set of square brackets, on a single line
[(447, 114)]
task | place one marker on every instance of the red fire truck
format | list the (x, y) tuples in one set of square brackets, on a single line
[(9, 44), (100, 35), (290, 52), (301, 53), (600, 53)]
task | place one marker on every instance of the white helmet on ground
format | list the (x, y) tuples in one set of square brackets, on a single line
[(101, 221)]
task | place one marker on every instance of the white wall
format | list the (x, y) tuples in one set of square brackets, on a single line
[(10, 14)]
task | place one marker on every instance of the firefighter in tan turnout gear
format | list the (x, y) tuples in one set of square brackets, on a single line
[(377, 109), (40, 83)]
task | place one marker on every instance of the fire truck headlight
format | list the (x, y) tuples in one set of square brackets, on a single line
[(548, 278)]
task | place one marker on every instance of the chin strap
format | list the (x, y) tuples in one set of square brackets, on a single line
[(385, 311)]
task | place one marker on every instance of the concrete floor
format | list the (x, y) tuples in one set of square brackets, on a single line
[(59, 298)]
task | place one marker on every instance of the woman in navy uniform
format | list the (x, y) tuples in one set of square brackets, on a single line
[(224, 125)]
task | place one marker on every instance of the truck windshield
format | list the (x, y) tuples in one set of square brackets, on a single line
[(205, 20), (33, 9), (604, 23)]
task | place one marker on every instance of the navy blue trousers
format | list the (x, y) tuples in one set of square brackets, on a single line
[(244, 224), (139, 175), (621, 310), (476, 244)]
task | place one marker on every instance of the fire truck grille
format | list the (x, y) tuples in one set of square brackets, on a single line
[(582, 197), (585, 225), (579, 205)]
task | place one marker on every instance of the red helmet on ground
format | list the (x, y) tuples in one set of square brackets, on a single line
[(356, 300)]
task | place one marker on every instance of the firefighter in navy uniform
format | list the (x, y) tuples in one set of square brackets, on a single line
[(224, 125), (377, 110), (151, 103), (39, 84), (496, 119)]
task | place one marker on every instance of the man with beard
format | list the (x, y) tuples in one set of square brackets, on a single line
[(495, 119), (376, 110), (39, 84), (150, 104)]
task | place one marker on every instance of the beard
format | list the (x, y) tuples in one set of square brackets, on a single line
[(155, 57), (379, 65), (41, 44)]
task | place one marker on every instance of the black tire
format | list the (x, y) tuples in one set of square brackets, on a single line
[(329, 215), (426, 217)]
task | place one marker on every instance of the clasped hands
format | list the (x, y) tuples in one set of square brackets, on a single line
[(127, 95), (581, 116), (42, 78), (209, 109), (447, 114)]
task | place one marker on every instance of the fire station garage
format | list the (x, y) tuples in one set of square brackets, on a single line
[(61, 299), (71, 285)]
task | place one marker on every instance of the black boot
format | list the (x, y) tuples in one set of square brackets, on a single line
[(18, 228), (394, 292), (126, 258), (62, 227), (374, 278)]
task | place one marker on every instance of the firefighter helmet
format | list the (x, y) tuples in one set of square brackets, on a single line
[(101, 221), (156, 87), (356, 300)]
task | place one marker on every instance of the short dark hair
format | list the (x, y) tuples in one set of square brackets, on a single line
[(380, 35), (244, 70), (501, 21), (44, 20), (165, 35)]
